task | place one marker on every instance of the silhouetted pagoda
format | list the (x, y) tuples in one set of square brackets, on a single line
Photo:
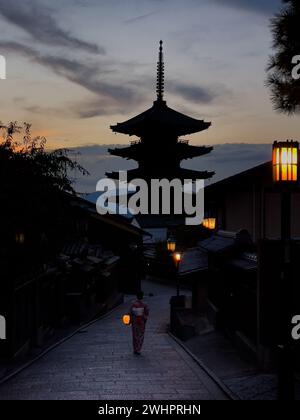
[(159, 150)]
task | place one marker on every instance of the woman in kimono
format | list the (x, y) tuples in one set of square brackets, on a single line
[(139, 312)]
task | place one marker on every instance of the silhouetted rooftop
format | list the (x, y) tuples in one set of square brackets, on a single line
[(159, 119), (179, 173)]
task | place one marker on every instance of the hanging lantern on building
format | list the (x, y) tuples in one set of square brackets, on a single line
[(209, 223), (285, 161), (20, 238)]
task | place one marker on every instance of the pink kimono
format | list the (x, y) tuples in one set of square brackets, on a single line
[(139, 312)]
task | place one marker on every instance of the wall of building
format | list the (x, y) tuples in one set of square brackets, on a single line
[(272, 218), (258, 211), (238, 211)]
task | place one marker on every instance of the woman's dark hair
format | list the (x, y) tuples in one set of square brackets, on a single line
[(140, 295)]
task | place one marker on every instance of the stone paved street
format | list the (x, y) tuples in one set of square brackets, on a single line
[(98, 363)]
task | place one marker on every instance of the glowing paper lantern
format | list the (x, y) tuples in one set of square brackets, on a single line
[(126, 319)]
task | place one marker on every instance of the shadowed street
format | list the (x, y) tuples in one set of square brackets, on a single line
[(98, 363)]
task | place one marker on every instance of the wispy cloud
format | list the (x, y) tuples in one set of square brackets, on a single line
[(36, 109), (97, 107), (197, 93), (108, 98), (261, 6), (80, 72), (141, 17), (39, 21)]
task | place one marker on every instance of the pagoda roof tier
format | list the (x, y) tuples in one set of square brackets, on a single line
[(160, 119), (181, 150), (178, 173)]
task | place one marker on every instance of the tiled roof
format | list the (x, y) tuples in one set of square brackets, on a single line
[(160, 117)]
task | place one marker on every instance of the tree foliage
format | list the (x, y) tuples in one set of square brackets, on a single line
[(285, 89), (35, 191), (28, 158)]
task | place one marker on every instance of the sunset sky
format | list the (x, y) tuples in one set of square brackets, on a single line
[(76, 66)]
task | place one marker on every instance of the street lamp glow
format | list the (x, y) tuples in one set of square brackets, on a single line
[(285, 161), (177, 257)]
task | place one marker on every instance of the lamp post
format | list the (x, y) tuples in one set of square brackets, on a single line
[(177, 259), (177, 303), (171, 247), (285, 175)]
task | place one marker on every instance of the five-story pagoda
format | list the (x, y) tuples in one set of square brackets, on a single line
[(159, 150)]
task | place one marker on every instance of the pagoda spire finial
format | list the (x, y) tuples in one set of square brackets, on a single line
[(160, 85)]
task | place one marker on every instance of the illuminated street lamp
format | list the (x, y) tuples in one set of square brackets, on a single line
[(177, 258), (285, 175), (171, 244), (285, 161), (177, 303)]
